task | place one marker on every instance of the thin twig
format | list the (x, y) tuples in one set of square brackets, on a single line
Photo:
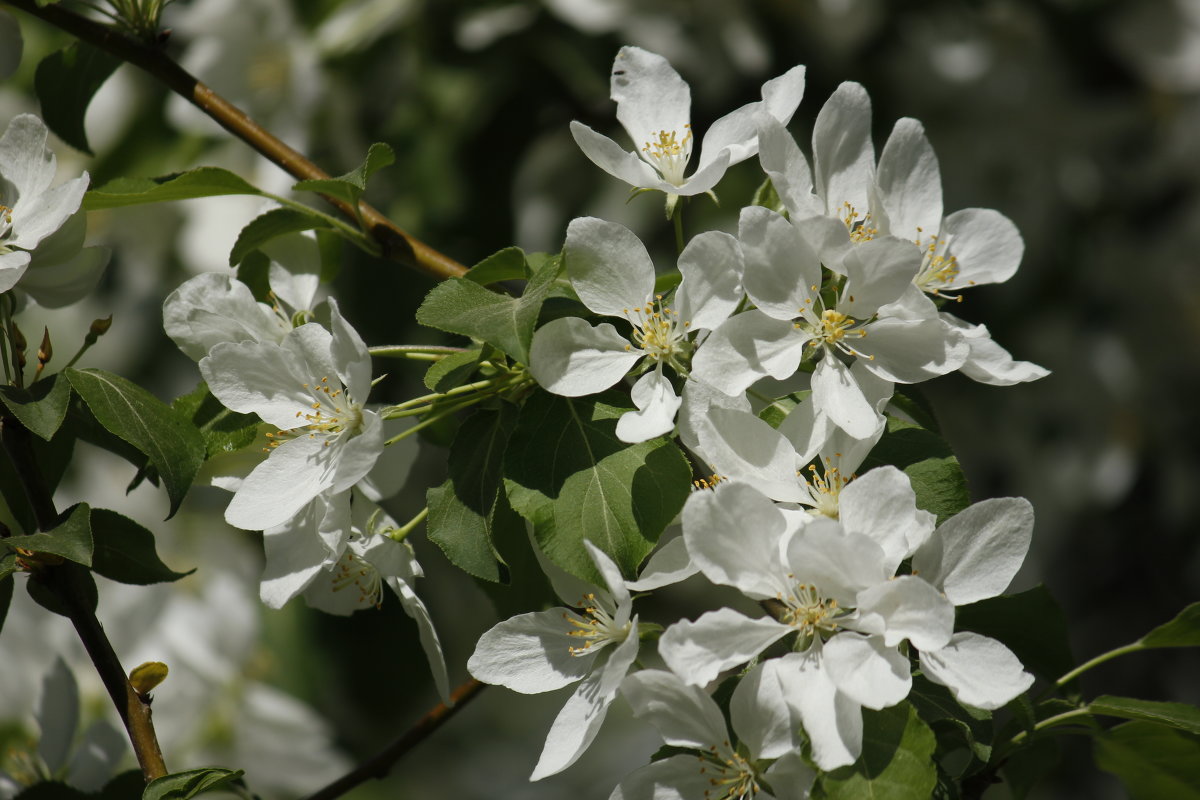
[(397, 245), (65, 582), (380, 764)]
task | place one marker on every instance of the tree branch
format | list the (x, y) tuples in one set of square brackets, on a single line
[(397, 245), (66, 582), (381, 763)]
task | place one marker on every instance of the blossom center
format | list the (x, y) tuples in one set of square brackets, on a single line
[(595, 626), (356, 574), (938, 271), (806, 610), (6, 222), (731, 777), (669, 153), (826, 488), (334, 414), (860, 226), (658, 331)]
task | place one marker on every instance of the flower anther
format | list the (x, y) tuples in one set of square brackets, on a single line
[(596, 626)]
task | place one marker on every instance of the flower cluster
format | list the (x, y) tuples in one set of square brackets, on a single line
[(835, 286), (314, 485)]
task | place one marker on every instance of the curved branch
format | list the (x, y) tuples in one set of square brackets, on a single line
[(65, 582), (397, 245), (381, 763)]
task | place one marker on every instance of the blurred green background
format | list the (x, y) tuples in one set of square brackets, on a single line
[(1079, 119)]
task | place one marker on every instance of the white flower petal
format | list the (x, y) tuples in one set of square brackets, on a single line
[(295, 473), (698, 651), (837, 395), (980, 672), (530, 653), (787, 168), (987, 245), (618, 592), (669, 564), (867, 670), (213, 308), (975, 554), (906, 607), (843, 155), (12, 266), (711, 288), (749, 346), (350, 355), (838, 563), (656, 403), (780, 266), (25, 163), (257, 378), (760, 714), (684, 715), (742, 447), (674, 778), (613, 159), (572, 358), (882, 505), (579, 720), (295, 556), (698, 398), (911, 351), (988, 362), (650, 95), (791, 777), (36, 217), (832, 720), (54, 284), (910, 183), (608, 265), (733, 534), (738, 130), (808, 432), (352, 458), (879, 272)]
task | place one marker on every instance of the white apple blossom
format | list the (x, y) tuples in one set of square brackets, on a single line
[(795, 318), (654, 107), (31, 210), (311, 386), (688, 718), (614, 276), (971, 557), (831, 584), (546, 650), (971, 247)]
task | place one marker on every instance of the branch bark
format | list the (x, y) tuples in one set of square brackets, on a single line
[(396, 244), (381, 763), (65, 581)]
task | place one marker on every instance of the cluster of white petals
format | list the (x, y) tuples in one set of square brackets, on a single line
[(843, 279)]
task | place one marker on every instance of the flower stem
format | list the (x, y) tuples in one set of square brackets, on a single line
[(394, 242), (1097, 661), (1050, 722), (416, 352), (401, 533), (677, 218)]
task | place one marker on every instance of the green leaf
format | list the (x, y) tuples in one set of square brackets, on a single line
[(79, 578), (940, 486), (567, 472), (461, 510), (1177, 715), (462, 306), (70, 538), (349, 187), (1030, 623), (182, 785), (954, 725), (1023, 769), (223, 430), (776, 412), (896, 761), (265, 227), (505, 265), (172, 444), (198, 182), (65, 82), (766, 196), (123, 786), (42, 407), (1183, 631), (453, 370), (124, 551), (1153, 761)]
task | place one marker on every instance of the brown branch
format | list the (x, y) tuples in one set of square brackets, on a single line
[(381, 763), (396, 244), (66, 581)]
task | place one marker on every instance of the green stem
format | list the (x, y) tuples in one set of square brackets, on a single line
[(1050, 722), (429, 399), (1097, 661), (677, 218), (401, 533), (416, 352), (354, 235), (425, 423)]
